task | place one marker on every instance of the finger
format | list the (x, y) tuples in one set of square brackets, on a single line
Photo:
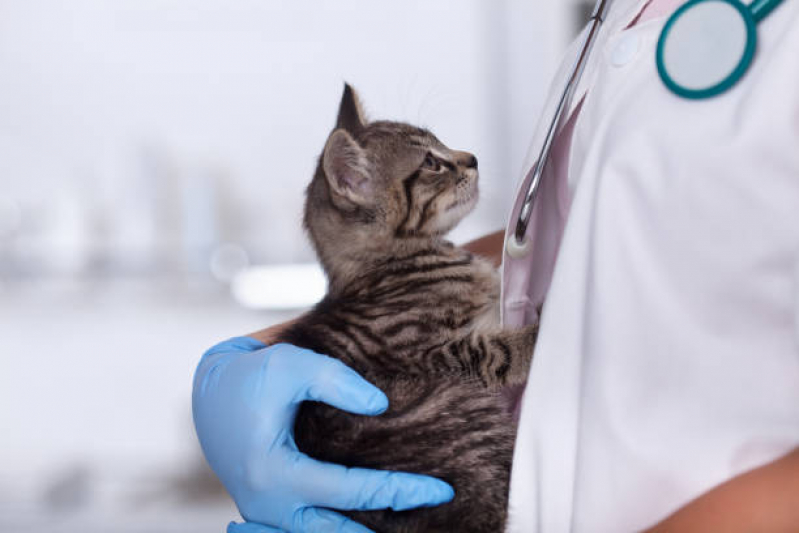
[(338, 385), (251, 527), (362, 489), (330, 381), (315, 520)]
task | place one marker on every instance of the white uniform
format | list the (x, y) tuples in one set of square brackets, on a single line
[(668, 357)]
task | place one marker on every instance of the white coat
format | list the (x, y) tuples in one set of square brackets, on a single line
[(668, 355)]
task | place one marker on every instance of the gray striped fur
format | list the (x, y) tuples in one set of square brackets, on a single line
[(416, 316)]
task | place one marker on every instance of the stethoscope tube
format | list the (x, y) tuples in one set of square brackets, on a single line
[(597, 18), (762, 8), (750, 15)]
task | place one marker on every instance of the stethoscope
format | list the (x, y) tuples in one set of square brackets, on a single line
[(705, 48)]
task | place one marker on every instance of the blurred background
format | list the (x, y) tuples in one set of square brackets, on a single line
[(153, 157)]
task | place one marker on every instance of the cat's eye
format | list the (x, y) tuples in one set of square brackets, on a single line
[(431, 163)]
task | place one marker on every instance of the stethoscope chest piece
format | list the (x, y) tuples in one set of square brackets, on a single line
[(708, 45)]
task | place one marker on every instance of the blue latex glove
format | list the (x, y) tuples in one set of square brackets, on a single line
[(245, 400)]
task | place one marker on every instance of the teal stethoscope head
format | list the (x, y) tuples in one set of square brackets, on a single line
[(707, 45)]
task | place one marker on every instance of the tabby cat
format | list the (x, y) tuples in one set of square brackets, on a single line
[(416, 316)]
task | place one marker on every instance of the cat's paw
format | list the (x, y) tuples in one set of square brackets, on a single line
[(523, 345)]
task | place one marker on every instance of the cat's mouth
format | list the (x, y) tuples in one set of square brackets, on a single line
[(469, 198)]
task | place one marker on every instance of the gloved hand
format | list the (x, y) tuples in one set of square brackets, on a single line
[(245, 400)]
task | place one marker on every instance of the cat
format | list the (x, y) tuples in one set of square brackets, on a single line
[(413, 314)]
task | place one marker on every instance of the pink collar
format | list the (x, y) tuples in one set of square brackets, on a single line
[(656, 9)]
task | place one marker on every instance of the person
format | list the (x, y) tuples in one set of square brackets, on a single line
[(664, 393)]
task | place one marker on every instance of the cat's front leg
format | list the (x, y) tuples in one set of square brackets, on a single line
[(497, 359)]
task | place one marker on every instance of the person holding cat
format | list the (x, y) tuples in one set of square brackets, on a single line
[(664, 392)]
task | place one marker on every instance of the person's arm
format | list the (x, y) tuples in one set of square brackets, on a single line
[(763, 500), (271, 334), (489, 246)]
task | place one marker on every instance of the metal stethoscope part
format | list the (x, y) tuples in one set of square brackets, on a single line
[(704, 49), (597, 17)]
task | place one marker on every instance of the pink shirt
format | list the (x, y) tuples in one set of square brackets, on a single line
[(658, 8)]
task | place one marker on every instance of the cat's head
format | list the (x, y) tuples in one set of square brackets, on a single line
[(382, 182)]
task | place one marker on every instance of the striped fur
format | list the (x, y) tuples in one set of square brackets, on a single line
[(416, 316)]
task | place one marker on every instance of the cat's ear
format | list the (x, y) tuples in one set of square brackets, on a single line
[(350, 113), (346, 168)]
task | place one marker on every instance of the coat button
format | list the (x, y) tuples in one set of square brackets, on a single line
[(625, 50)]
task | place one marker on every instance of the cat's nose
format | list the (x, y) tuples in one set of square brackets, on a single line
[(467, 160)]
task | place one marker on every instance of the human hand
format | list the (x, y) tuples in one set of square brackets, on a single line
[(244, 402)]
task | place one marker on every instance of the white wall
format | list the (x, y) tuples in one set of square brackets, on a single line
[(120, 118)]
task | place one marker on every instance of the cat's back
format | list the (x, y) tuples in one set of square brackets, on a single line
[(437, 270), (399, 310), (388, 326)]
